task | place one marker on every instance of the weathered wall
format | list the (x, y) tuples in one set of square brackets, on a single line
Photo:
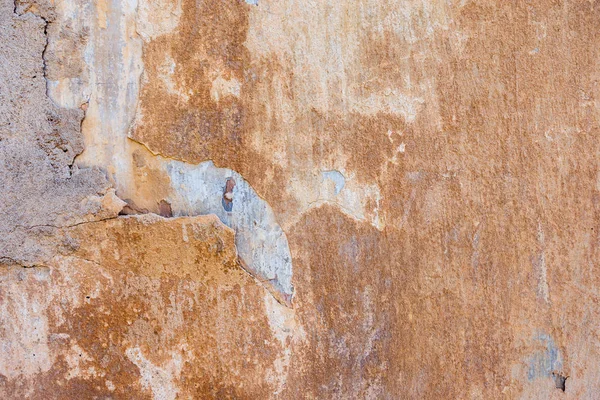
[(299, 199)]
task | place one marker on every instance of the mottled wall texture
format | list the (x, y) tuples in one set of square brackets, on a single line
[(299, 199)]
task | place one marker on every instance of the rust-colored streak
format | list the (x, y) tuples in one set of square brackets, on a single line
[(192, 125)]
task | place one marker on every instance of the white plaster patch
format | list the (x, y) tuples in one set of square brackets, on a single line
[(113, 58), (222, 88), (390, 101), (24, 323), (391, 133), (158, 379), (337, 178), (184, 233), (165, 73), (68, 92), (157, 17), (358, 200), (543, 289), (27, 298), (399, 150), (72, 17), (75, 358), (283, 325), (352, 197), (328, 63)]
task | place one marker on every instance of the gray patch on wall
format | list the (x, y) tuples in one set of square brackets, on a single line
[(337, 178), (544, 362), (261, 243)]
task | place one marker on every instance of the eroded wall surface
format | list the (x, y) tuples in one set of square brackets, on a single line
[(376, 199)]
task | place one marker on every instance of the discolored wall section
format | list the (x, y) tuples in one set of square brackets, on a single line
[(138, 311), (368, 199)]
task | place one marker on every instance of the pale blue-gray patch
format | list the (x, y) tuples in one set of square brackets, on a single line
[(338, 179), (543, 362)]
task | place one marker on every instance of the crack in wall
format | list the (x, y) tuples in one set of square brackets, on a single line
[(30, 227), (30, 9), (11, 262)]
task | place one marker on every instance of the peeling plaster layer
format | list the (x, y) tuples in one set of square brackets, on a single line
[(260, 241), (190, 190), (39, 141)]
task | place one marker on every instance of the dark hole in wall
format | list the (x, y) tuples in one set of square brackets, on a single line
[(131, 209), (164, 209), (560, 380), (227, 199)]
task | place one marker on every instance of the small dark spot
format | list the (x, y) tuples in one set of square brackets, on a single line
[(87, 297), (560, 380), (227, 200), (164, 209), (131, 208), (52, 118)]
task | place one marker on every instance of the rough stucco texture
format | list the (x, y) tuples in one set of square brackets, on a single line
[(369, 199)]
